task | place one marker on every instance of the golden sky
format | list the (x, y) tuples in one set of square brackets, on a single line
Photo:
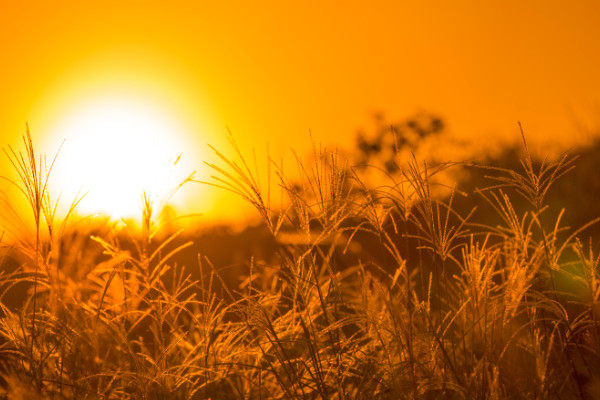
[(270, 71)]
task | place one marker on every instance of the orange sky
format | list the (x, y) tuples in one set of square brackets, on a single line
[(272, 71)]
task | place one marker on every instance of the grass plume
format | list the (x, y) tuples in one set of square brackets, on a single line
[(393, 291)]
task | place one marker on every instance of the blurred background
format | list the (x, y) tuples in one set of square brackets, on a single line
[(128, 87)]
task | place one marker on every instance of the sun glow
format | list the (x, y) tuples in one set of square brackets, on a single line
[(115, 149)]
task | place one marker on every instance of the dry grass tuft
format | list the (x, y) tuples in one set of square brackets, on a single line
[(385, 292)]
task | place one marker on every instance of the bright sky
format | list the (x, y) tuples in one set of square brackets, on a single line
[(270, 71)]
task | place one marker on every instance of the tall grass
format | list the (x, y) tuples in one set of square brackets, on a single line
[(384, 292)]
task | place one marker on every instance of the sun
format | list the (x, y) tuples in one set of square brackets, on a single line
[(115, 149)]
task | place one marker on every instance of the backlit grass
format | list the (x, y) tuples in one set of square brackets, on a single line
[(391, 291)]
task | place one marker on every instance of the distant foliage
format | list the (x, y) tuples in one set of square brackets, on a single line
[(382, 145)]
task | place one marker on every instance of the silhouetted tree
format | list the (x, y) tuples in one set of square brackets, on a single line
[(388, 139)]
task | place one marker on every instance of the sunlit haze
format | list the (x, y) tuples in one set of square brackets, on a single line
[(128, 84), (115, 149)]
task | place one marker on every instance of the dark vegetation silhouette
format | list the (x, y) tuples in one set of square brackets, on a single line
[(383, 278)]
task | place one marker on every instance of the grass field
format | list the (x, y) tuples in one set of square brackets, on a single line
[(388, 291)]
